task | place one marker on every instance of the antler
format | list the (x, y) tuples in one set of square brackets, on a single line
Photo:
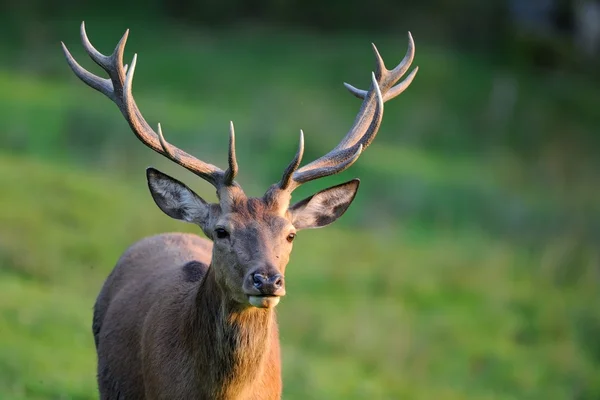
[(118, 88), (365, 126)]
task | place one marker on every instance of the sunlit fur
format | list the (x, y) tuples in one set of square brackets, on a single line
[(161, 335), (174, 319)]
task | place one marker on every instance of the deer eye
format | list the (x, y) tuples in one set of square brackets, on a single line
[(290, 238), (221, 233)]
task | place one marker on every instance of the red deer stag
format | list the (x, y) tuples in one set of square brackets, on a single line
[(180, 317)]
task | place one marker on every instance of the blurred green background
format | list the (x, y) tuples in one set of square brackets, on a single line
[(469, 265)]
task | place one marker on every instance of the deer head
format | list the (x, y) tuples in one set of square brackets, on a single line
[(252, 236)]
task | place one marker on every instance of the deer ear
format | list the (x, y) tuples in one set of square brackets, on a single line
[(325, 207), (176, 199)]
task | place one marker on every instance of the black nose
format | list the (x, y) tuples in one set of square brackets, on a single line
[(268, 285)]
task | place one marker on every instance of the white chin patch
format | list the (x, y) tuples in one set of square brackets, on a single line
[(264, 301)]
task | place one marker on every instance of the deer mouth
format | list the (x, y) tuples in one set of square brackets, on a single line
[(264, 301)]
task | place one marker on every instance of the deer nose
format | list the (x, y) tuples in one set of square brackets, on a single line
[(268, 285)]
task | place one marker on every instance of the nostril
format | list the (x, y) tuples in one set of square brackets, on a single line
[(258, 280), (277, 281)]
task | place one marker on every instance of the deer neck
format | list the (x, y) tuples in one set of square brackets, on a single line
[(232, 342)]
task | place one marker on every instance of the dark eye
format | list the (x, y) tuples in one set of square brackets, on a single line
[(221, 233), (291, 237)]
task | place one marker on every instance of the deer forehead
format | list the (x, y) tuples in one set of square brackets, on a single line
[(254, 216)]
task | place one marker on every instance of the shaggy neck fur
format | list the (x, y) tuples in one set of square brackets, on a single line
[(235, 338)]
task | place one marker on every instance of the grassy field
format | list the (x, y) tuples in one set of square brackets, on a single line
[(433, 315), (468, 267)]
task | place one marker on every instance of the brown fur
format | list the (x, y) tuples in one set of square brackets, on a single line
[(174, 319), (161, 337)]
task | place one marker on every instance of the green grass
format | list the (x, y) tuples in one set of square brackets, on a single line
[(368, 315), (467, 267)]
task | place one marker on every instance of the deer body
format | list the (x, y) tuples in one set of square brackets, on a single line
[(201, 348), (180, 317)]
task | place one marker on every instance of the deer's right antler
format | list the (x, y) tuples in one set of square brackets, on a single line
[(118, 88)]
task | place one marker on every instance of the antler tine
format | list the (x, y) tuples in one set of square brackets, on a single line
[(232, 170), (379, 63), (118, 88), (387, 78), (286, 179), (99, 58), (404, 65), (102, 85), (402, 86)]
